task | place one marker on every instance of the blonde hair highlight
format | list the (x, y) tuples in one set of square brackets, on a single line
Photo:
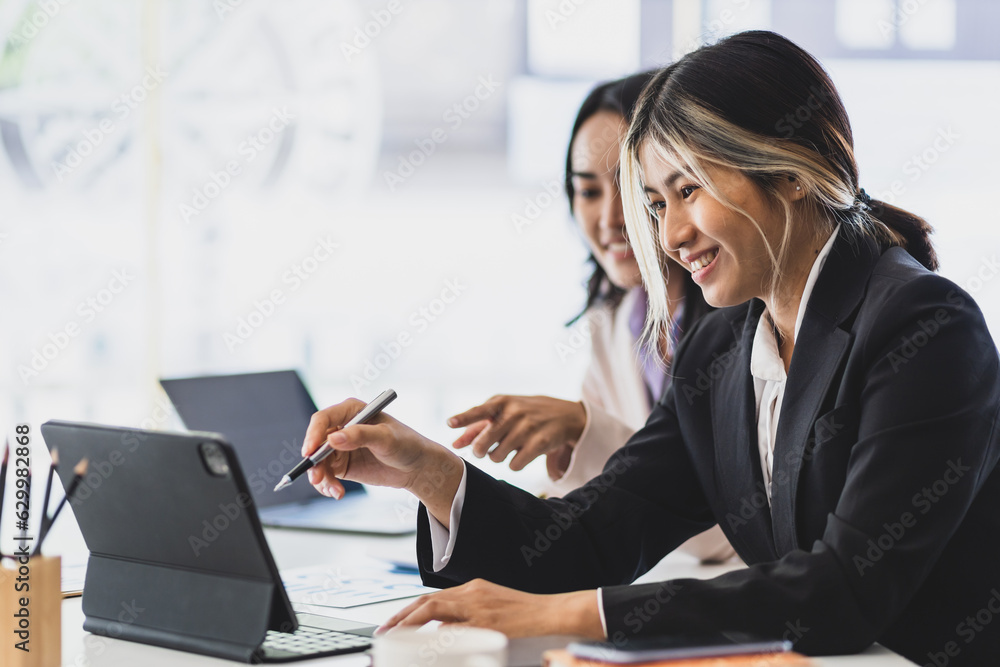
[(681, 131)]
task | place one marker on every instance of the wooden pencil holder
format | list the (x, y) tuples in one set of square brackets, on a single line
[(31, 617)]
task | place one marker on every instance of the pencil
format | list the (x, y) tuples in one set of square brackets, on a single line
[(43, 525), (79, 470)]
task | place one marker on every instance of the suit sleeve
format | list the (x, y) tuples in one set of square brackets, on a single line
[(596, 535), (926, 442), (601, 437)]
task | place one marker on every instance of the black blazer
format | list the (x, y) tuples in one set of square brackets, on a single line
[(884, 523)]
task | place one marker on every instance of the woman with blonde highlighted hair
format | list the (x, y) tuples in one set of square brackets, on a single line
[(838, 416)]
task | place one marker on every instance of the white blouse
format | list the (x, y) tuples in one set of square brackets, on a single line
[(768, 370)]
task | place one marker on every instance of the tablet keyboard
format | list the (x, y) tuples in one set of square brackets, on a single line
[(309, 641)]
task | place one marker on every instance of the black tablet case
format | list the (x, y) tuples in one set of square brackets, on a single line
[(142, 507)]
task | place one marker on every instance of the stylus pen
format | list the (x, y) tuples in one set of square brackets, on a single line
[(367, 413)]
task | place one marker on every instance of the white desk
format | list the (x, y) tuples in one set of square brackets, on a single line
[(298, 549)]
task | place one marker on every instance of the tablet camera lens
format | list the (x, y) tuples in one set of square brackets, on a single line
[(214, 459)]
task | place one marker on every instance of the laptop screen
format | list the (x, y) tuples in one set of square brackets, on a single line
[(263, 415)]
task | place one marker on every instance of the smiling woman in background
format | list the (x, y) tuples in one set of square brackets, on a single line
[(624, 379), (839, 416)]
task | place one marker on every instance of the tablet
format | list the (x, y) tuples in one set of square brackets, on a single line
[(178, 557)]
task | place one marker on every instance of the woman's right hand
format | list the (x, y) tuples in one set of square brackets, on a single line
[(383, 452)]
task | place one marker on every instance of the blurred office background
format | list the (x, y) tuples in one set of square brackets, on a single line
[(369, 190)]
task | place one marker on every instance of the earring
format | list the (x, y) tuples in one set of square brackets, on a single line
[(798, 187)]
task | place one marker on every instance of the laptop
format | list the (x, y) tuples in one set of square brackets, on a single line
[(176, 542), (265, 416)]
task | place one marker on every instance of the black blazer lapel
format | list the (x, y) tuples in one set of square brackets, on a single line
[(734, 423), (819, 353)]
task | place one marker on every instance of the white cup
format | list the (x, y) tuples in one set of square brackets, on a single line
[(444, 646)]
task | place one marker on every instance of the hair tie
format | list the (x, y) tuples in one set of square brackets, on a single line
[(862, 200)]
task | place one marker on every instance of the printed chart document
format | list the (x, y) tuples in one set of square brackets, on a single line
[(351, 586)]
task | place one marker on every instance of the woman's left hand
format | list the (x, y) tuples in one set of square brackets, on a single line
[(482, 604)]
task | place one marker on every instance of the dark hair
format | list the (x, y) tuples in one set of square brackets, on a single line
[(761, 104), (621, 97)]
